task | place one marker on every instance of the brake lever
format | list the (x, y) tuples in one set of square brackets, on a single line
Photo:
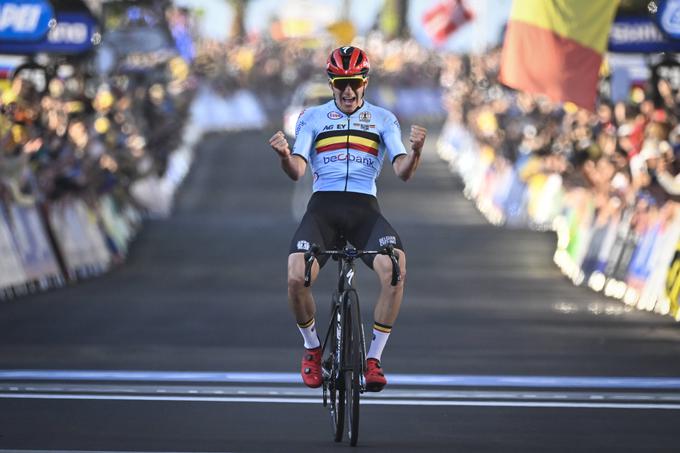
[(396, 270), (310, 255)]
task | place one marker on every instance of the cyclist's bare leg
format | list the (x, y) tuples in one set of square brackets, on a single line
[(389, 301), (300, 298)]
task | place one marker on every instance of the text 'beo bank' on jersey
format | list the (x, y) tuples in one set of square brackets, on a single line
[(346, 152)]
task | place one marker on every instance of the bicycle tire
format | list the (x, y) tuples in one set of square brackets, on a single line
[(337, 390), (353, 368)]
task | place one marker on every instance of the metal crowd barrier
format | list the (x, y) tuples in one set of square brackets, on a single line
[(612, 250), (47, 246)]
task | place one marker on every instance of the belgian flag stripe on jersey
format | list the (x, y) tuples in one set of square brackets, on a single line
[(331, 147), (359, 140), (343, 133), (343, 145), (352, 139)]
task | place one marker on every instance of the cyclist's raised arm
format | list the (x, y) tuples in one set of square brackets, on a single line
[(293, 165), (405, 165)]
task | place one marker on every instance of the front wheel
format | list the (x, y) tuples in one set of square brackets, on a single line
[(353, 363), (336, 378)]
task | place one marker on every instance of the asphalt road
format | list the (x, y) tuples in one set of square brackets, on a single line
[(190, 346)]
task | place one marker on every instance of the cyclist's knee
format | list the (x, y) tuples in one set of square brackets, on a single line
[(383, 267), (296, 273)]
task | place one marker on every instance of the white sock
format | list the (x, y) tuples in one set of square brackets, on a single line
[(308, 331), (381, 333)]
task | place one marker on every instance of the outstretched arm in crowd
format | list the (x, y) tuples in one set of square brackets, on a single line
[(405, 166), (670, 183), (293, 165)]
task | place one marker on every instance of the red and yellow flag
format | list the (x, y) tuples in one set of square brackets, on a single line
[(555, 47)]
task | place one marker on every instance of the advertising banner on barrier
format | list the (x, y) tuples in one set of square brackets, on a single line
[(31, 241), (639, 34), (64, 237), (652, 296), (82, 244), (96, 251), (24, 20), (668, 17), (11, 270), (71, 35), (673, 283), (115, 224)]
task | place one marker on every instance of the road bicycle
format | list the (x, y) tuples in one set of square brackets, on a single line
[(344, 346)]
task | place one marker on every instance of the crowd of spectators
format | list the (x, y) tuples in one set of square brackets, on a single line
[(616, 167), (275, 68), (85, 136), (625, 150)]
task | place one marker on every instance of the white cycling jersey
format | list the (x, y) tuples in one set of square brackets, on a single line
[(346, 152)]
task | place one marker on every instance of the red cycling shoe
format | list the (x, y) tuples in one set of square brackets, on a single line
[(375, 378), (311, 368)]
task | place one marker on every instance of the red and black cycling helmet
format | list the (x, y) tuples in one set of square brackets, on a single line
[(347, 61)]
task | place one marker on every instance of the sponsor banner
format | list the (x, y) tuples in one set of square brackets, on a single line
[(546, 199), (116, 226), (673, 284), (639, 35), (77, 232), (653, 295), (11, 270), (31, 242), (639, 269), (24, 20), (668, 17), (57, 215), (71, 35), (96, 251)]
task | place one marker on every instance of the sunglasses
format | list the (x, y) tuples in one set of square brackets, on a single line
[(340, 83)]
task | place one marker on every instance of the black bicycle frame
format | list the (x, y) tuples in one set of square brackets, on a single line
[(345, 306), (346, 258)]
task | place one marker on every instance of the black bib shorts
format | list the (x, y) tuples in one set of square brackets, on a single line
[(333, 218)]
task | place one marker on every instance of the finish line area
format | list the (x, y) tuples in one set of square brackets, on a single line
[(641, 393)]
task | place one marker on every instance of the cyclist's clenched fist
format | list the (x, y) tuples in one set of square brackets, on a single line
[(279, 143), (417, 138)]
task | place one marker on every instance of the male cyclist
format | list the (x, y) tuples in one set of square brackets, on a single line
[(345, 141)]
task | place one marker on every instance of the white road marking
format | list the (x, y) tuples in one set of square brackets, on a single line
[(420, 380), (366, 401), (301, 391), (406, 390)]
